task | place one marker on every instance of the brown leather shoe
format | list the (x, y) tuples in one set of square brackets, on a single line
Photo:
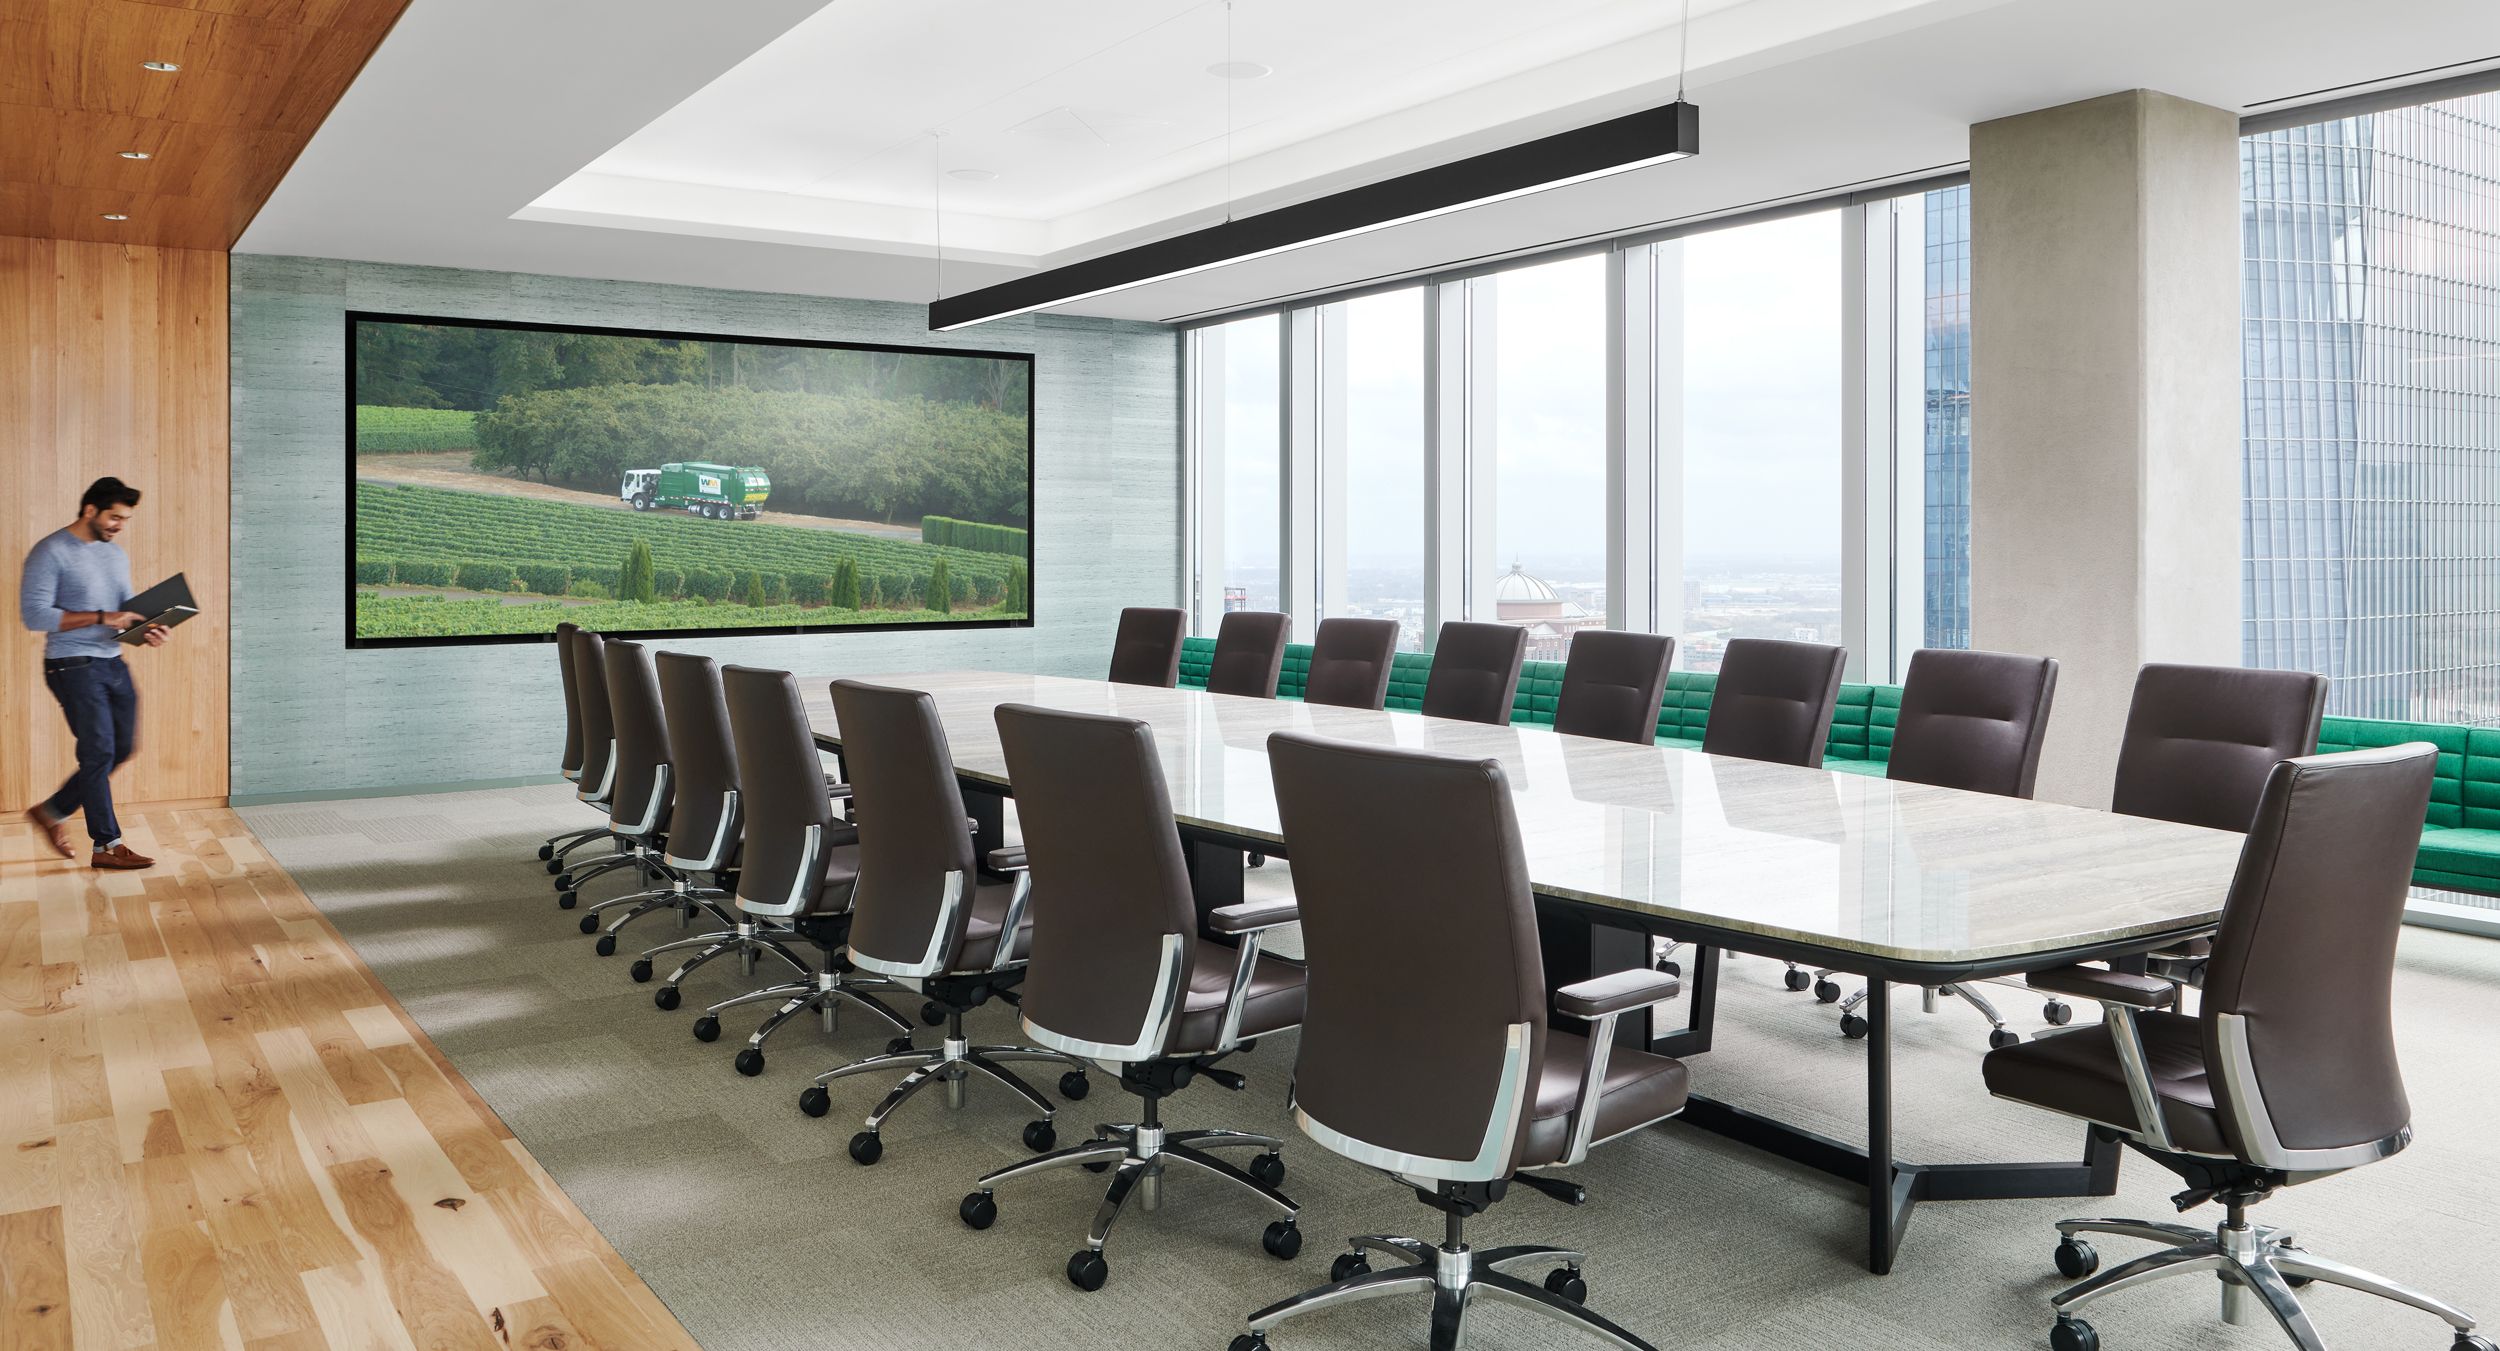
[(53, 830), (119, 856)]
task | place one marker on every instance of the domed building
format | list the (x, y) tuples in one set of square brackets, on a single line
[(1529, 601)]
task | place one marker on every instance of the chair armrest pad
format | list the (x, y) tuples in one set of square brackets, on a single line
[(1620, 992), (2091, 982), (1008, 858), (1250, 916), (835, 789)]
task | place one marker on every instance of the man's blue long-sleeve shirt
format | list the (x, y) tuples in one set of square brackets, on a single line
[(64, 573)]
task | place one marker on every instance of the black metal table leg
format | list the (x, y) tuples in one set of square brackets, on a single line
[(1214, 876), (988, 811), (1701, 1008), (1575, 947), (1883, 1229)]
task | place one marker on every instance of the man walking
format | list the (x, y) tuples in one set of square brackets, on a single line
[(77, 580)]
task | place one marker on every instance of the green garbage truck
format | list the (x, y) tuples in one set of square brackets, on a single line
[(718, 492)]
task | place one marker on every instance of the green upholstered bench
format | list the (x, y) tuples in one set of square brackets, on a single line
[(2460, 848)]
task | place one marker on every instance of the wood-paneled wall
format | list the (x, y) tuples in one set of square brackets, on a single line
[(113, 361)]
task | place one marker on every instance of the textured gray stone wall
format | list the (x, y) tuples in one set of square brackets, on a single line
[(311, 715)]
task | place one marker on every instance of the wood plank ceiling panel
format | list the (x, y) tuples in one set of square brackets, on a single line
[(256, 79)]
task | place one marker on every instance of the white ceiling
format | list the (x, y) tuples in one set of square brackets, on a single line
[(789, 145)]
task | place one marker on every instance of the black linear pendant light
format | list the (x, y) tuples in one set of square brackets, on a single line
[(1653, 136)]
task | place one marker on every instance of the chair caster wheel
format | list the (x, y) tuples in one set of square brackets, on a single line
[(2076, 1259), (1249, 1341), (1087, 1270), (565, 900), (2073, 1334), (1283, 1240), (1348, 1266), (640, 970), (898, 1046), (2296, 1282), (1671, 968), (554, 865), (2002, 1038), (1269, 1169), (1827, 992), (707, 1028), (978, 1211), (750, 1062), (866, 1148), (1073, 1086), (1853, 1027), (2467, 1341), (564, 882), (1795, 979), (1097, 1166), (2058, 1012), (1039, 1136), (933, 1013), (816, 1101), (589, 925), (1568, 1283), (664, 998), (545, 852), (606, 946)]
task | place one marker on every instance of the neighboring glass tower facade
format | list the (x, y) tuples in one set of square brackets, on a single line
[(1948, 418), (2371, 339)]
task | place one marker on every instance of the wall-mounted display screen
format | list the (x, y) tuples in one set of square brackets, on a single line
[(506, 478)]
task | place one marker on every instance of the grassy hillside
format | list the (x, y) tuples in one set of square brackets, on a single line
[(382, 430), (442, 617)]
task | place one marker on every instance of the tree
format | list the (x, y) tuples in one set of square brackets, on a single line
[(1018, 600), (941, 595), (636, 582), (755, 590), (845, 590)]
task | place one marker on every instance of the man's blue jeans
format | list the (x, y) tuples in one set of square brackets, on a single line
[(103, 709)]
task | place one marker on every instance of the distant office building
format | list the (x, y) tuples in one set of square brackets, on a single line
[(2371, 302), (1236, 598), (1532, 603), (1948, 417)]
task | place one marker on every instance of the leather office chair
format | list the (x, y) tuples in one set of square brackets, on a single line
[(1773, 701), (1118, 973), (1475, 672), (598, 782), (1147, 648), (645, 801), (1612, 685), (1968, 720), (1350, 660), (706, 822), (923, 916), (796, 866), (552, 852), (1249, 654), (2288, 1072), (1437, 1065)]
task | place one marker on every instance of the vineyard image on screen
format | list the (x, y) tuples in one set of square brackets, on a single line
[(510, 478)]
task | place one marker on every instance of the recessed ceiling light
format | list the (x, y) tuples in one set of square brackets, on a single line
[(161, 67), (1239, 70), (972, 175), (136, 154), (115, 215)]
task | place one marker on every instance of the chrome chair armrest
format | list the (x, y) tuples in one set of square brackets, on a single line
[(1012, 923), (1601, 1001), (1251, 920), (2152, 1126)]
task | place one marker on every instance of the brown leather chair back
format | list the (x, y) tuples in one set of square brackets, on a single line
[(1147, 648), (1420, 937), (2201, 740), (704, 821), (1249, 654), (1612, 685), (781, 790), (1350, 661), (1774, 701), (1475, 672), (590, 692), (913, 831), (1111, 898), (1972, 720), (2306, 954), (572, 700), (643, 773)]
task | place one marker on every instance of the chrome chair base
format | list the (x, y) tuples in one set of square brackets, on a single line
[(951, 1063), (822, 992), (745, 938), (1455, 1276), (1853, 1025), (1141, 1154), (2257, 1267), (682, 897)]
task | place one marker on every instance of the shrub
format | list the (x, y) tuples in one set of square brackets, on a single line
[(669, 582), (422, 572), (585, 587), (808, 588), (486, 576), (634, 581), (941, 592), (1019, 598), (706, 584), (876, 596), (382, 430), (977, 536), (845, 589), (373, 571), (754, 591), (547, 579)]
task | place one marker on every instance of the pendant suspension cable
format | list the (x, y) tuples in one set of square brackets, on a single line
[(1229, 82), (937, 207), (1683, 49)]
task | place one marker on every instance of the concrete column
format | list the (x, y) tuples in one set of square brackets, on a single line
[(2105, 480)]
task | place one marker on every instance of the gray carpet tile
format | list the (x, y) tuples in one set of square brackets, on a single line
[(751, 1221)]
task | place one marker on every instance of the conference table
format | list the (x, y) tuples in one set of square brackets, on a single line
[(1898, 883)]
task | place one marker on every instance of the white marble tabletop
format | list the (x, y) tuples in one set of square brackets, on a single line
[(1843, 862)]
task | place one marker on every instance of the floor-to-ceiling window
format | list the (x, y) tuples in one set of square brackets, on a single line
[(1236, 369), (1945, 273), (1372, 350), (1546, 326)]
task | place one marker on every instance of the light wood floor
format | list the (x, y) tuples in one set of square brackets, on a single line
[(217, 1130)]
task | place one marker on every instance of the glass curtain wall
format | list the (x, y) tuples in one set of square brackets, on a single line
[(1236, 369), (1372, 348), (1548, 507)]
